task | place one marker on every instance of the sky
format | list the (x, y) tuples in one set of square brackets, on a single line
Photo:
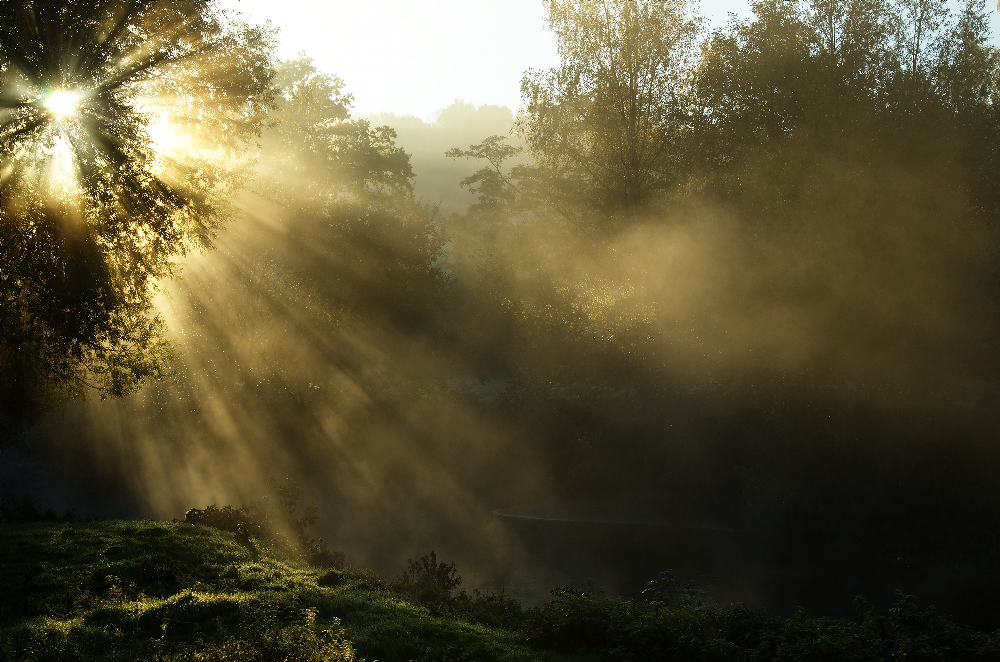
[(415, 57)]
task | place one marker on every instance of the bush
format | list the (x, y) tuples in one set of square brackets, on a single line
[(669, 589), (226, 518), (578, 620), (432, 583), (320, 555), (429, 582), (261, 521), (493, 609), (330, 578), (298, 642)]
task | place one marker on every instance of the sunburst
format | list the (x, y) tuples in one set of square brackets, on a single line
[(121, 126), (61, 103)]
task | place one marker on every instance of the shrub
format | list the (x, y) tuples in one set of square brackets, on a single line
[(270, 525), (620, 629), (429, 582), (226, 518), (298, 642), (320, 555), (669, 589), (493, 609), (432, 583), (331, 578), (577, 620)]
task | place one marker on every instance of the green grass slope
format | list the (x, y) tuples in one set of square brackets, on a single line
[(171, 591), (123, 591)]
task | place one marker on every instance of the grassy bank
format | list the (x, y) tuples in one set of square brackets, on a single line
[(133, 590)]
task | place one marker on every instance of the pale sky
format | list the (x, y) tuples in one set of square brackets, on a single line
[(417, 56)]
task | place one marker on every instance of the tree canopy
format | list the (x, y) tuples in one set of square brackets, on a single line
[(640, 107), (121, 130), (317, 143), (607, 121)]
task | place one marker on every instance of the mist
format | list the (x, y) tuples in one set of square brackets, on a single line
[(765, 357), (461, 124)]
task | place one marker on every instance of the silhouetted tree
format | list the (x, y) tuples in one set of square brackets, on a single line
[(836, 76), (497, 190)]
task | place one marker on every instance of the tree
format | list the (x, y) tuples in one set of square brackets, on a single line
[(357, 245), (922, 21), (967, 73), (316, 138), (121, 129), (608, 121), (753, 85), (496, 190), (967, 65), (837, 74), (855, 39)]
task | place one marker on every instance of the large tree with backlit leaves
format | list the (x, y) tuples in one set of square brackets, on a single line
[(122, 131)]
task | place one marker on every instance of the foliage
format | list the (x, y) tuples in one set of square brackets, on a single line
[(792, 328), (608, 121), (866, 78), (714, 353), (94, 204), (27, 510), (496, 190), (429, 582), (318, 145), (172, 591), (281, 526), (493, 609), (361, 248), (634, 109), (669, 589), (293, 643), (432, 583), (617, 629)]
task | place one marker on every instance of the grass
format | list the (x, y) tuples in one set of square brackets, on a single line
[(139, 590), (118, 590)]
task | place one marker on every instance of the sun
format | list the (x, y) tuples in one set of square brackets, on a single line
[(61, 103)]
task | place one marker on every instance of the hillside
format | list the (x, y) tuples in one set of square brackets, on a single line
[(171, 591), (145, 590)]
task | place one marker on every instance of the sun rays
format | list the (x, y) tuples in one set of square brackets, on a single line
[(122, 128)]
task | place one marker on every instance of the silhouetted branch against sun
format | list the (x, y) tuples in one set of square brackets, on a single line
[(123, 83), (122, 130)]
